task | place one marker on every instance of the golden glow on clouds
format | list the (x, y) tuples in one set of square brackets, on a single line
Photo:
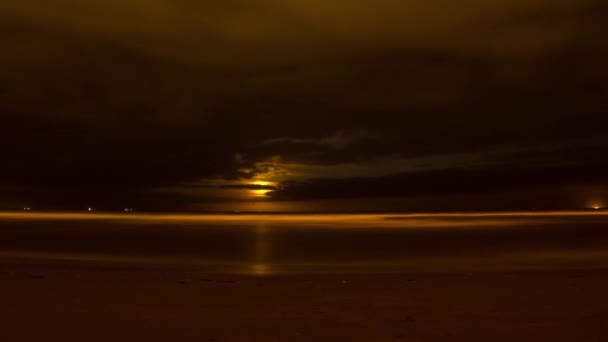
[(260, 193)]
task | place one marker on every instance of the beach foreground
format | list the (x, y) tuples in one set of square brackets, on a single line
[(433, 277), (42, 304)]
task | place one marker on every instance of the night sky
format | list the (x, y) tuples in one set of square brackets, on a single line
[(314, 105)]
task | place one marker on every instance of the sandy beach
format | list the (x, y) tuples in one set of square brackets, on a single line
[(474, 277), (39, 304)]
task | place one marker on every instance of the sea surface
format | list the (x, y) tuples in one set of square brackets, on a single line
[(266, 244)]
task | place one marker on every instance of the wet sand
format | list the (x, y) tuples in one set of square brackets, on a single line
[(474, 277)]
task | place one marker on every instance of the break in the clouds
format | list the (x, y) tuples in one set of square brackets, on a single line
[(143, 101)]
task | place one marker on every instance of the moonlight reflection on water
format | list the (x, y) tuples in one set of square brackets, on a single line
[(265, 244)]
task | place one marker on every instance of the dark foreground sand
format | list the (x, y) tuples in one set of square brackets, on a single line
[(42, 304)]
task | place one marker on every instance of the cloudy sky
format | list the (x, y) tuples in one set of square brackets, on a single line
[(333, 105)]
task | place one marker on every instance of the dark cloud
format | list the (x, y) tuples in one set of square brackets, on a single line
[(576, 163), (450, 181), (339, 140), (106, 101), (249, 187)]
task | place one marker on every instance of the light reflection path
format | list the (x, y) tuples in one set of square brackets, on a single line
[(260, 265)]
